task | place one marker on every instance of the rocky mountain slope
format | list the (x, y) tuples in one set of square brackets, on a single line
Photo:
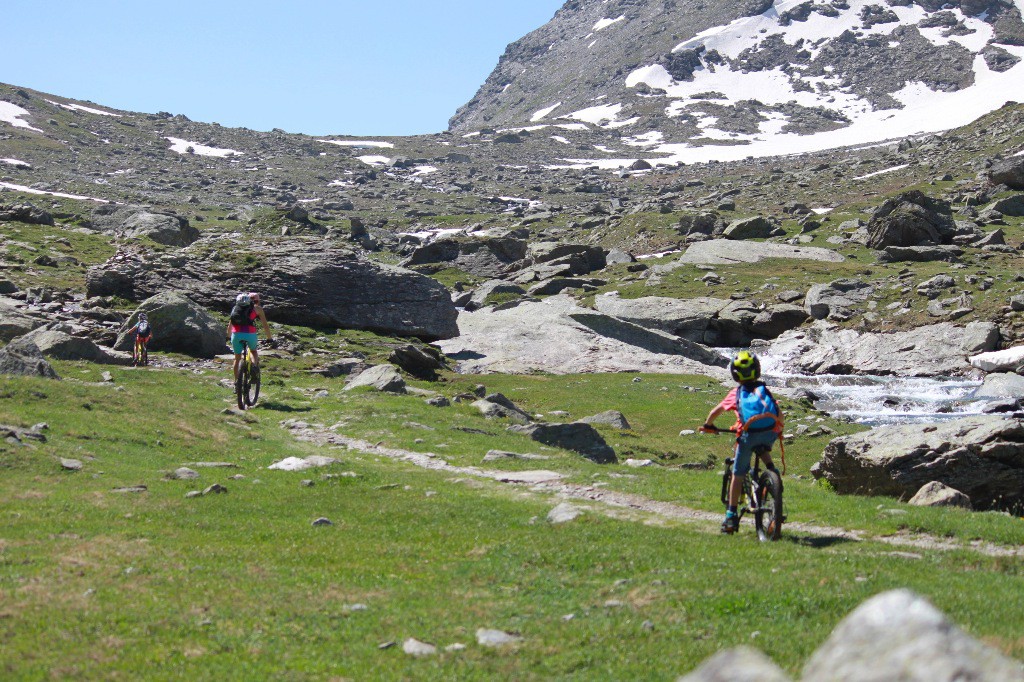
[(684, 79)]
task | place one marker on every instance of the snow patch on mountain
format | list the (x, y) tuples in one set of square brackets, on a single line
[(368, 144), (79, 107), (605, 23), (544, 112), (12, 114), (183, 146)]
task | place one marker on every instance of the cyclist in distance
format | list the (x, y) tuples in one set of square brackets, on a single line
[(242, 326), (758, 423), (142, 332)]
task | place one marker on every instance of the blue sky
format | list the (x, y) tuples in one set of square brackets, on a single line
[(377, 67)]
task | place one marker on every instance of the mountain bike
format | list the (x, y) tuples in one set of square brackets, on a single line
[(140, 354), (763, 497), (247, 383)]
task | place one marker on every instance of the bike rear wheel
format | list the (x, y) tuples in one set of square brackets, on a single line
[(252, 393), (768, 517), (242, 384)]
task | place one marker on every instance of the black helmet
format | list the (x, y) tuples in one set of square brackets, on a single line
[(745, 366)]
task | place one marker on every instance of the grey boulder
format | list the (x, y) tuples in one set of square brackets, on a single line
[(1000, 385), (935, 494), (740, 664), (384, 378), (57, 343), (983, 457), (15, 322), (581, 438), (612, 418), (163, 228), (302, 281), (179, 325), (899, 636), (749, 228), (932, 350), (840, 297), (910, 219), (21, 357), (1009, 172)]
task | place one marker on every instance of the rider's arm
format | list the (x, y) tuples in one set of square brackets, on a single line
[(713, 415), (229, 331), (266, 325)]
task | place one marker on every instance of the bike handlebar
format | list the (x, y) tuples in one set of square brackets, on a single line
[(711, 428)]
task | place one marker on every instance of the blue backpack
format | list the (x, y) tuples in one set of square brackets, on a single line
[(757, 408)]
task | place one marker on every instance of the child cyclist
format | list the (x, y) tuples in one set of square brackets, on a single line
[(242, 326), (758, 423)]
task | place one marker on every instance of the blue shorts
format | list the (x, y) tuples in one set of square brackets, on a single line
[(745, 445), (238, 337)]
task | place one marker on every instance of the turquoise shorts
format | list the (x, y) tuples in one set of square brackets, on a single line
[(238, 337)]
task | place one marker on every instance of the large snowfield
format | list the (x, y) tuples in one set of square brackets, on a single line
[(923, 110)]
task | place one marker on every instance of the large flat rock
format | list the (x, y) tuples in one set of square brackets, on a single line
[(725, 251), (558, 336)]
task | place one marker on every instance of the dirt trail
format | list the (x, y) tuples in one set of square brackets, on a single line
[(614, 503)]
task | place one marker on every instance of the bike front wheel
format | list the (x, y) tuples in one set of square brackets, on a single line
[(768, 517)]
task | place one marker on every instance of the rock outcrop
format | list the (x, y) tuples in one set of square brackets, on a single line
[(911, 219), (21, 357), (556, 335), (302, 282), (711, 321), (933, 350), (15, 322), (982, 457)]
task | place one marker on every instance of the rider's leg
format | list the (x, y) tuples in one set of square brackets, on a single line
[(735, 490), (237, 362), (255, 356)]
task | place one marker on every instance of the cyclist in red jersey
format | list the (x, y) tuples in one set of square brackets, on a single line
[(243, 327)]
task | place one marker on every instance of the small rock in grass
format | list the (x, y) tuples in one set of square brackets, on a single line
[(215, 489), (495, 638), (414, 647), (193, 493), (323, 521), (184, 474), (70, 464), (564, 513)]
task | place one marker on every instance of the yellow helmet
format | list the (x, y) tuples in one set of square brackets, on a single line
[(745, 366)]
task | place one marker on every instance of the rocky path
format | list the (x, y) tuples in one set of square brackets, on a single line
[(620, 505)]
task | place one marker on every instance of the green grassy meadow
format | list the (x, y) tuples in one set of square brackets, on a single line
[(101, 584)]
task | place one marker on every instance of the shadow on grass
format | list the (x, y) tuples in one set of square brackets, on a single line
[(819, 542), (282, 407)]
